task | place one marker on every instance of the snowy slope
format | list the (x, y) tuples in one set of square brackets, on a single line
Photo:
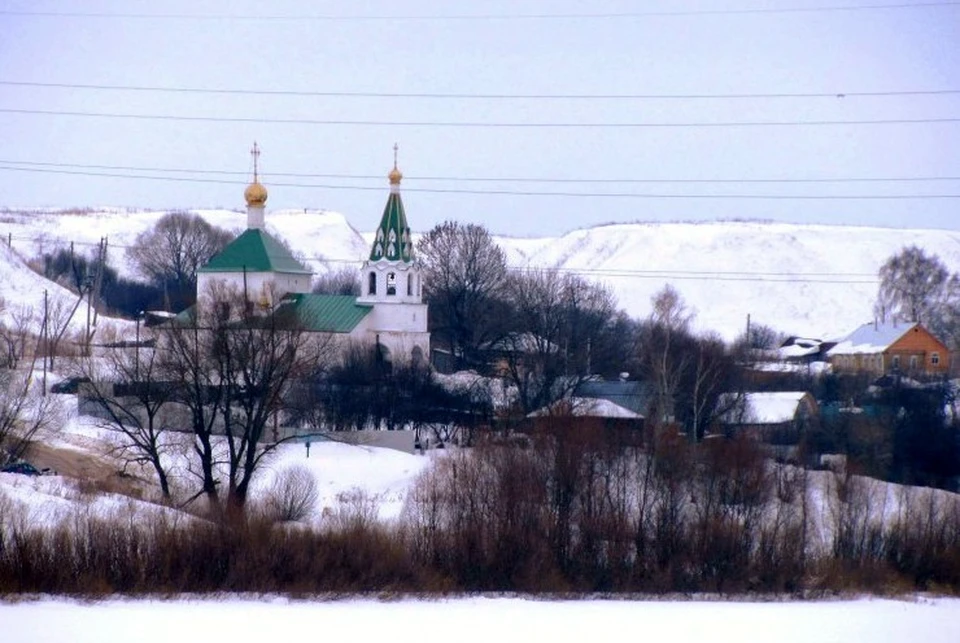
[(315, 234), (810, 280), (21, 289)]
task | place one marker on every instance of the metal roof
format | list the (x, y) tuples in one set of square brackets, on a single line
[(255, 251), (324, 313)]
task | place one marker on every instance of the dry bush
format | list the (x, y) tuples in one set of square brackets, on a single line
[(293, 497)]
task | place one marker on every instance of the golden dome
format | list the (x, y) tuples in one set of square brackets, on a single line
[(395, 176), (255, 194)]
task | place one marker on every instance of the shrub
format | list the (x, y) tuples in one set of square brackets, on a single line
[(293, 496)]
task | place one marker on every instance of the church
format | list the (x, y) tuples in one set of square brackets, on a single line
[(389, 314)]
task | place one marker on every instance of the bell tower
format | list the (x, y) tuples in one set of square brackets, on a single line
[(390, 281), (391, 274)]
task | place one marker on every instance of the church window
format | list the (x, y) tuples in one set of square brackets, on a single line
[(409, 285), (391, 283), (372, 285), (417, 355)]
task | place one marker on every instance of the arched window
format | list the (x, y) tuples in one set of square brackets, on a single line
[(416, 355), (409, 285), (372, 284), (391, 283)]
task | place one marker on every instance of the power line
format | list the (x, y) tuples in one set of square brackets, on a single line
[(483, 179), (493, 96), (485, 17), (765, 197), (474, 124)]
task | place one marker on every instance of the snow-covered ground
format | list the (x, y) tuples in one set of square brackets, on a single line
[(481, 619), (810, 280)]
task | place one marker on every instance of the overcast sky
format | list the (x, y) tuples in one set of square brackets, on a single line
[(677, 48)]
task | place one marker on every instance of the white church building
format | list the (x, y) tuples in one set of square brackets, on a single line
[(389, 313)]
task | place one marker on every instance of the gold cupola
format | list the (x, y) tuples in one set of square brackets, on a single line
[(255, 194), (395, 175)]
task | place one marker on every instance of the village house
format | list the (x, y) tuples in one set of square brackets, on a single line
[(894, 347)]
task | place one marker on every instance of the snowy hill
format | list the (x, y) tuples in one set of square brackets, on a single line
[(812, 280)]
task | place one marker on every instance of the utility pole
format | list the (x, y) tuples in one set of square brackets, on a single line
[(43, 334)]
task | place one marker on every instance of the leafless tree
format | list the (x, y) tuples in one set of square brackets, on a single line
[(185, 348), (464, 276), (662, 363), (555, 319), (914, 285), (235, 364), (340, 282), (14, 334), (179, 244), (126, 384), (25, 413)]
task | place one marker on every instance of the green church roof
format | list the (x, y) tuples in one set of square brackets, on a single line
[(255, 251), (392, 241), (325, 313)]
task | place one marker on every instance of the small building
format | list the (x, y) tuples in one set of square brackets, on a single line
[(630, 394), (776, 417), (891, 347), (589, 416)]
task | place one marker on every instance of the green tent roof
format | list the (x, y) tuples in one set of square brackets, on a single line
[(392, 241), (325, 313), (255, 251)]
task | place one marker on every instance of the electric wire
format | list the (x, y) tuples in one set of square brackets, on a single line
[(486, 17), (519, 193), (481, 96), (463, 179), (475, 124)]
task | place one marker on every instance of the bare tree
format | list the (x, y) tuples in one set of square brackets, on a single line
[(234, 365), (175, 248), (340, 282), (126, 385), (663, 364), (14, 335), (184, 360), (464, 278), (25, 414), (914, 285), (555, 320), (707, 385)]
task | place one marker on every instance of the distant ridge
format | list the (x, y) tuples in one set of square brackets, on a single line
[(812, 280)]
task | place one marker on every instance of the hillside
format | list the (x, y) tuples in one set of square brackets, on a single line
[(805, 279)]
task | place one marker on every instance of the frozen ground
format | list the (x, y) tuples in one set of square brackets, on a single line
[(481, 619)]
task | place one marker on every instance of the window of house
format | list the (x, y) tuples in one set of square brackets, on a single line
[(391, 283), (935, 358), (372, 285), (913, 362), (895, 361)]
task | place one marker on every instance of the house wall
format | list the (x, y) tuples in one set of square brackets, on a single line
[(932, 357), (257, 283), (919, 346)]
